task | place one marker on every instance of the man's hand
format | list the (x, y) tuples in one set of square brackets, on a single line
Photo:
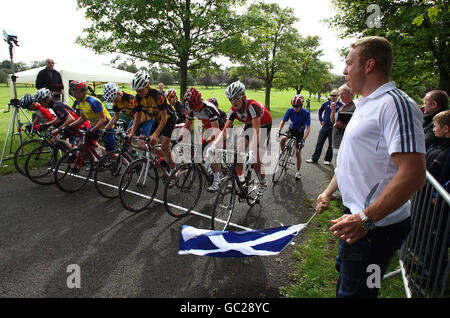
[(322, 202), (154, 139), (348, 228)]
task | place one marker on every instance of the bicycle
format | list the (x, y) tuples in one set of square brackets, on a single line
[(41, 162), (285, 157), (139, 182), (185, 185), (231, 186), (74, 169), (110, 168), (27, 147)]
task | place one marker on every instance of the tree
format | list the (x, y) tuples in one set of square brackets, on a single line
[(265, 49), (182, 34), (421, 50), (307, 71)]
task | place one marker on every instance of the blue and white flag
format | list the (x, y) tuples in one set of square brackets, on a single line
[(236, 244)]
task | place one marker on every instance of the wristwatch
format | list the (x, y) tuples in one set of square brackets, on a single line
[(367, 223)]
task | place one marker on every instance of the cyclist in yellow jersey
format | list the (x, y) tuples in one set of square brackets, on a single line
[(151, 102), (92, 109)]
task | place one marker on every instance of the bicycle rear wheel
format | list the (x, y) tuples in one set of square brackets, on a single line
[(22, 153), (73, 170), (137, 189), (224, 205), (183, 190), (41, 163), (281, 165), (108, 173)]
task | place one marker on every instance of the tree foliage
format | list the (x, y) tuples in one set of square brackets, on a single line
[(182, 34), (421, 53)]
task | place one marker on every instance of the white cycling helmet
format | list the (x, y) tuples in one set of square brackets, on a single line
[(110, 91), (140, 80), (42, 94), (235, 90)]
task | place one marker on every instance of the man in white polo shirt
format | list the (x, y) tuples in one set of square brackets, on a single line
[(380, 165)]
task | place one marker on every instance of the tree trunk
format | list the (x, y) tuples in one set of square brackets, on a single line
[(183, 77), (267, 100), (444, 80)]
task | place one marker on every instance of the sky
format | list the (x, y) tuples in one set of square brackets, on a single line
[(49, 28)]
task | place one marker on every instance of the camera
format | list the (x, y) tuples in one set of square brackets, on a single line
[(10, 37)]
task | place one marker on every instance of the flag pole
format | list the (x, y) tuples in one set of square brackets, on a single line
[(314, 215)]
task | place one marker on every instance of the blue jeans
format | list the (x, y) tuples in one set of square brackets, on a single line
[(376, 247), (324, 134)]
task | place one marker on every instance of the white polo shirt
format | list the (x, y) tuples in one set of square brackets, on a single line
[(386, 122)]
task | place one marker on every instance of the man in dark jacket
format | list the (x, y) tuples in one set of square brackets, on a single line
[(51, 79), (433, 103)]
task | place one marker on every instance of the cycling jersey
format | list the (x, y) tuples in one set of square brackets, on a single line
[(128, 106), (153, 103), (251, 110), (62, 111), (181, 112), (90, 107), (43, 113), (299, 120), (209, 113)]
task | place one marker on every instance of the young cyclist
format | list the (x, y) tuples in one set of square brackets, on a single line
[(27, 101), (92, 109), (151, 103), (300, 121), (212, 123), (256, 118), (180, 109)]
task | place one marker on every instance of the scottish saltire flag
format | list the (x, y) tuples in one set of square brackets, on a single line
[(236, 244)]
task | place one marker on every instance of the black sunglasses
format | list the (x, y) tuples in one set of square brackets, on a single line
[(333, 95)]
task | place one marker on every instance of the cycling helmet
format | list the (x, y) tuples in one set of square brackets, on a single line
[(140, 80), (110, 91), (42, 94), (297, 100), (171, 93), (214, 101), (78, 85), (235, 90), (26, 101), (193, 99)]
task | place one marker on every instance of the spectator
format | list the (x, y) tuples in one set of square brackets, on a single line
[(326, 131), (381, 164), (161, 87), (433, 103), (341, 117), (438, 153), (308, 104), (51, 79)]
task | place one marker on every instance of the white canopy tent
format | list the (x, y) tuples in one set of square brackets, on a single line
[(88, 72)]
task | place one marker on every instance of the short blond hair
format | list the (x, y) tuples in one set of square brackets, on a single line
[(377, 48), (442, 118)]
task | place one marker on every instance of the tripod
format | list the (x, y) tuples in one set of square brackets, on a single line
[(14, 102)]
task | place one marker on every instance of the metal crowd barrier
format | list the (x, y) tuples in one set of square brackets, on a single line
[(424, 258)]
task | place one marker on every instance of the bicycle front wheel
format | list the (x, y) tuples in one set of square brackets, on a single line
[(73, 170), (41, 163), (281, 166), (137, 189), (183, 190), (108, 173), (224, 205), (22, 153)]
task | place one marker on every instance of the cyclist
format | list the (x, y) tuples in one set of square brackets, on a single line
[(300, 121), (64, 113), (27, 101), (180, 109), (212, 123), (153, 104), (256, 118), (92, 109)]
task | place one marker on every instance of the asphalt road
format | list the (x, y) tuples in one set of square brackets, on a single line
[(120, 254)]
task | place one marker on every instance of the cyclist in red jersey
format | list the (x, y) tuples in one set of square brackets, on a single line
[(212, 123), (256, 118), (42, 114)]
